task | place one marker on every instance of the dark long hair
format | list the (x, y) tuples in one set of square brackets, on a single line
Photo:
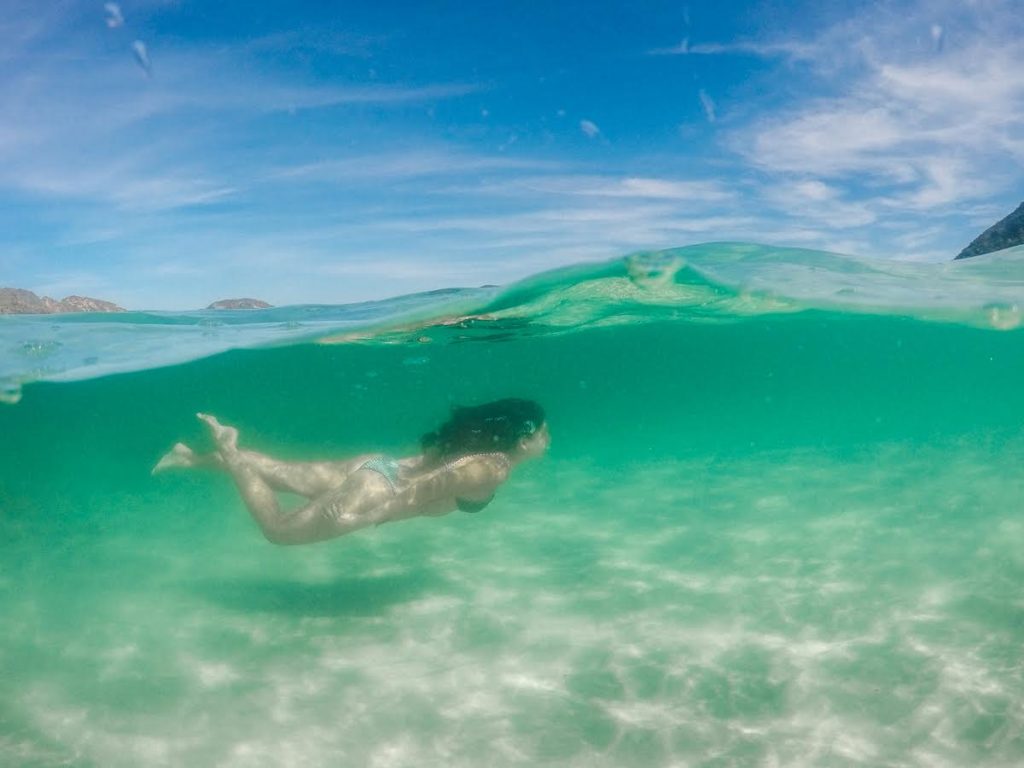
[(494, 426)]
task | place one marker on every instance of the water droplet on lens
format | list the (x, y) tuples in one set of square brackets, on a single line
[(115, 18), (1003, 317), (10, 392), (39, 348), (142, 57)]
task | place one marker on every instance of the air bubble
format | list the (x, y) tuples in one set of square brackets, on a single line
[(1003, 317)]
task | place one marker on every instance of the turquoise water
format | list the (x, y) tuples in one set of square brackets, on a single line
[(780, 524)]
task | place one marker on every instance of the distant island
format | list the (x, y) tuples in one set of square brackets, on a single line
[(1003, 234), (17, 301), (240, 304)]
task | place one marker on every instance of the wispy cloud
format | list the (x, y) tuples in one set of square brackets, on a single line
[(816, 203), (127, 182), (80, 122), (606, 186), (791, 50), (914, 110), (616, 227), (894, 122), (405, 165)]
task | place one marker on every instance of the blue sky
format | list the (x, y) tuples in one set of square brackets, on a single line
[(165, 153)]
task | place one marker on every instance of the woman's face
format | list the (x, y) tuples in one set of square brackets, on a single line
[(536, 444)]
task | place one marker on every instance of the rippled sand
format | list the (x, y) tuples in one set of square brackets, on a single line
[(788, 608)]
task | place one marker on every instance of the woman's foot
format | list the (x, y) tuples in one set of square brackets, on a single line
[(225, 437), (179, 456)]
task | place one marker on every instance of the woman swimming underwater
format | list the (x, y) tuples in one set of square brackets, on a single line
[(461, 467)]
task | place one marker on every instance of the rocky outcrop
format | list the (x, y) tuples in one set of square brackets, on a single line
[(17, 301), (1003, 234), (87, 304), (240, 304)]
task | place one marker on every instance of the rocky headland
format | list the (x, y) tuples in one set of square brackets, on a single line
[(1005, 233), (18, 301)]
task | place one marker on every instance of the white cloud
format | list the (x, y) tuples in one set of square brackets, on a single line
[(437, 162), (126, 180), (815, 202), (80, 123), (930, 128), (830, 140), (892, 117), (607, 186), (615, 227), (813, 190), (908, 116), (589, 129)]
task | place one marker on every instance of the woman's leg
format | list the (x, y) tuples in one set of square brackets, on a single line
[(340, 510), (181, 456), (308, 478)]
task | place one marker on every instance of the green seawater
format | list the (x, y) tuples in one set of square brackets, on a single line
[(778, 526)]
